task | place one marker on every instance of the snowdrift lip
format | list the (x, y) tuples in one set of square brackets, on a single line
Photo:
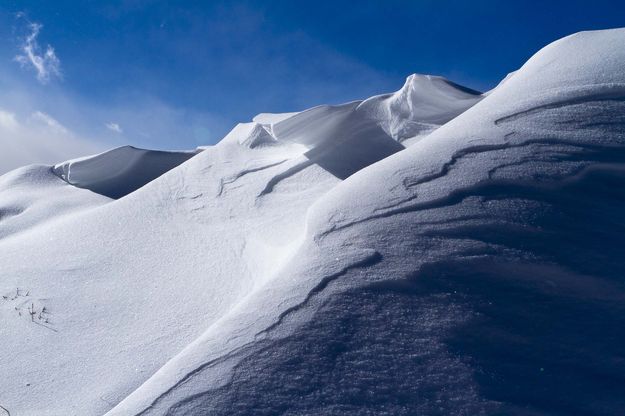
[(120, 171)]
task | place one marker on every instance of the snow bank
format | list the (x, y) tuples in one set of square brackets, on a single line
[(346, 138), (33, 195), (477, 272), (352, 259), (423, 104), (120, 171)]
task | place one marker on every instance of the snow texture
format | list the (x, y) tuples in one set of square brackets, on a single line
[(433, 251), (120, 171)]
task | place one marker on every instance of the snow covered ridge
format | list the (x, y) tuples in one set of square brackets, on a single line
[(120, 171), (376, 125), (432, 251)]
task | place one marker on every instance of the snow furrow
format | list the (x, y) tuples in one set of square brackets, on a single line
[(368, 261), (276, 179), (231, 179), (610, 94)]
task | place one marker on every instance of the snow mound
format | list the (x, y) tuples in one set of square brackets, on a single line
[(500, 231), (118, 172), (424, 103), (340, 139), (258, 136), (349, 137), (431, 251), (33, 195)]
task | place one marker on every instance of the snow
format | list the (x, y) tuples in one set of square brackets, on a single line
[(430, 251), (120, 171), (424, 103)]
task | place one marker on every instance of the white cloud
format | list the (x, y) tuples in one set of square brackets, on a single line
[(44, 62), (114, 127), (38, 138), (48, 121), (8, 121)]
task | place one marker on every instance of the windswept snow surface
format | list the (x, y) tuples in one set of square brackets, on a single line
[(120, 171), (352, 259)]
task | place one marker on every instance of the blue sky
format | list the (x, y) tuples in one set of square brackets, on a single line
[(178, 74)]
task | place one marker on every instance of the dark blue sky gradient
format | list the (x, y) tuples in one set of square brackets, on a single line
[(208, 65)]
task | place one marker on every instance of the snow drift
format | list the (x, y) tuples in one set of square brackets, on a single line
[(120, 171), (432, 251)]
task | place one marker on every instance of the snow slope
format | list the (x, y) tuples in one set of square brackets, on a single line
[(311, 264), (120, 171)]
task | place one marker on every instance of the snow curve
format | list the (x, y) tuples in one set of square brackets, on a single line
[(120, 171)]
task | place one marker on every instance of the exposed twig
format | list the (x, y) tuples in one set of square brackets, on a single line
[(32, 312)]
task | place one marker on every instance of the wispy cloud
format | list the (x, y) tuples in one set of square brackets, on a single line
[(44, 61), (49, 121), (114, 127)]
